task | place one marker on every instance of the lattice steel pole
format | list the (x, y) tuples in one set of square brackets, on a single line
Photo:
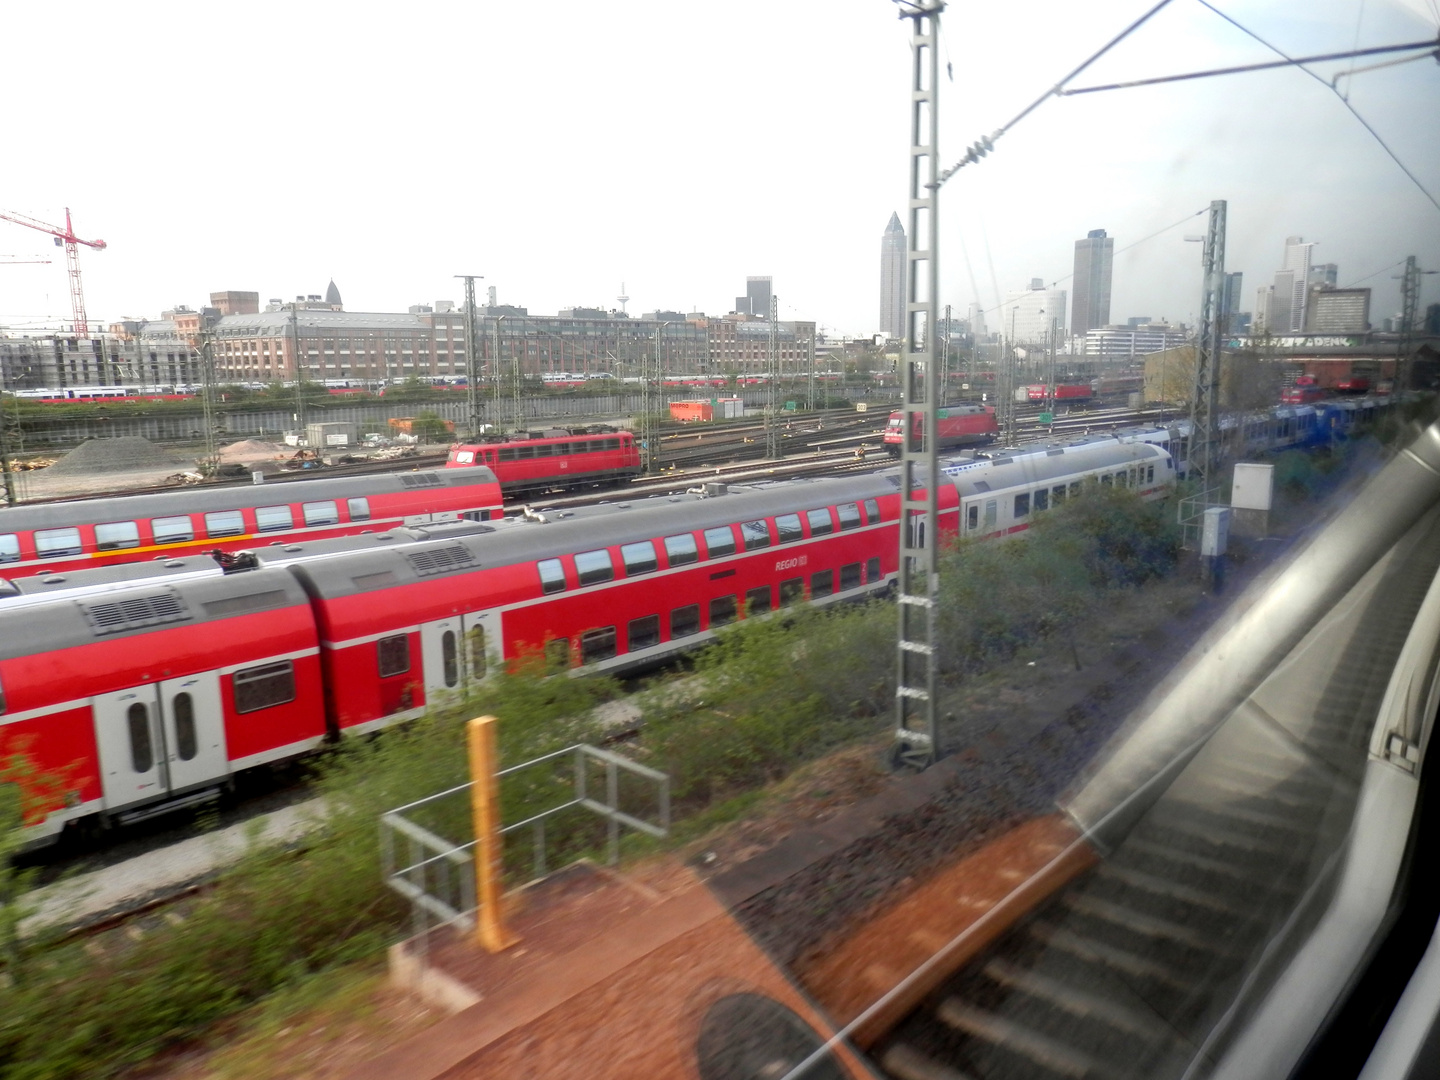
[(917, 741), (1409, 314), (472, 354), (772, 380), (1203, 460)]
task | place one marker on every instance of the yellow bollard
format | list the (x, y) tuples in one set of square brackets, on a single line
[(489, 859)]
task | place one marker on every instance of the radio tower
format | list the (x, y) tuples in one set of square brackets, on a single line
[(622, 299), (69, 240)]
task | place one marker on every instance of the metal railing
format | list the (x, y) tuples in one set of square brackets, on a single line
[(1191, 515), (437, 875)]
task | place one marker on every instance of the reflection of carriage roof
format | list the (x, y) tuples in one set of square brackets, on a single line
[(199, 500), (66, 620)]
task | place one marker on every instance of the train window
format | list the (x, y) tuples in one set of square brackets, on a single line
[(1022, 504), (787, 526), (449, 658), (1150, 474), (524, 453), (552, 576), (359, 509), (9, 547), (849, 515), (2, 700), (756, 534), (478, 660), (597, 645), (872, 511), (685, 621), (792, 591), (53, 543), (508, 453), (1042, 499), (274, 518), (557, 654), (172, 530), (1107, 480), (594, 566), (642, 633), (265, 686), (850, 576), (820, 521), (186, 744), (142, 752), (720, 541), (321, 513), (612, 444), (1057, 494), (117, 534), (1074, 488), (393, 655), (872, 571), (972, 516), (224, 523), (757, 601), (463, 457), (723, 610), (822, 584), (992, 511), (681, 549), (639, 558)]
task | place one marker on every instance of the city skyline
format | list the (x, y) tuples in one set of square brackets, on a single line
[(241, 203)]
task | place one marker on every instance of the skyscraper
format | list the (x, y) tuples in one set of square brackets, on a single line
[(1029, 313), (757, 291), (1093, 258), (1280, 308), (892, 279)]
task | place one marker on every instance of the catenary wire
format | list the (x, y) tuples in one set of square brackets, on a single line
[(1280, 52)]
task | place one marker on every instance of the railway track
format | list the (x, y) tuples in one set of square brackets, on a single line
[(1139, 968)]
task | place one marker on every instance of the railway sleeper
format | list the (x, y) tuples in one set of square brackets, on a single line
[(904, 1062), (1301, 801), (1242, 818), (1127, 881), (1132, 966), (1042, 1054), (1150, 934), (1186, 832), (1202, 871)]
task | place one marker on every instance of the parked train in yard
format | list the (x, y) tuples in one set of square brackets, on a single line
[(138, 693), (591, 457), (65, 536)]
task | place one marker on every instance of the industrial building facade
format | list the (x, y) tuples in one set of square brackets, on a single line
[(59, 361)]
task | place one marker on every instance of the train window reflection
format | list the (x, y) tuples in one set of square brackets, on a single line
[(449, 658), (639, 558), (757, 601), (720, 541), (872, 510), (53, 543), (142, 753), (1022, 504), (594, 566), (723, 609), (822, 584), (756, 534), (478, 662), (359, 509), (1042, 499), (265, 686), (9, 547), (321, 513), (552, 575), (117, 534), (685, 621), (597, 645), (393, 655), (820, 521), (872, 571), (681, 549), (172, 530), (792, 591), (274, 518), (186, 744), (224, 523), (850, 576), (849, 515), (787, 526), (642, 633)]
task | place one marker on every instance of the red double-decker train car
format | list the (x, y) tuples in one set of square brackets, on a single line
[(64, 536), (135, 694), (959, 425), (528, 465)]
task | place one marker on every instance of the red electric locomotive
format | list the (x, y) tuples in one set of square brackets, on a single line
[(526, 465), (959, 425), (72, 535)]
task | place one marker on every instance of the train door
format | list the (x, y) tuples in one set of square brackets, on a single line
[(440, 651), (132, 745), (483, 649), (991, 515), (194, 728)]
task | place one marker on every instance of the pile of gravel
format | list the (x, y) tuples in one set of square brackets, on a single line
[(128, 453), (251, 450)]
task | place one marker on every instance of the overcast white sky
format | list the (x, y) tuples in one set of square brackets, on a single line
[(563, 148)]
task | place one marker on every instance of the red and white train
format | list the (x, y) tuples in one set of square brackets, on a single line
[(136, 693), (958, 425), (527, 465), (65, 536)]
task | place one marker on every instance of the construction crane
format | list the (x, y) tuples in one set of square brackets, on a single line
[(69, 240)]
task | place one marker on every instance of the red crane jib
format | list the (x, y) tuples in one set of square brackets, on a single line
[(67, 237)]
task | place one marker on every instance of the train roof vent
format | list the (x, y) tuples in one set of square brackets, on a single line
[(982, 485), (134, 612), (1001, 460), (1055, 453), (421, 479), (440, 560)]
